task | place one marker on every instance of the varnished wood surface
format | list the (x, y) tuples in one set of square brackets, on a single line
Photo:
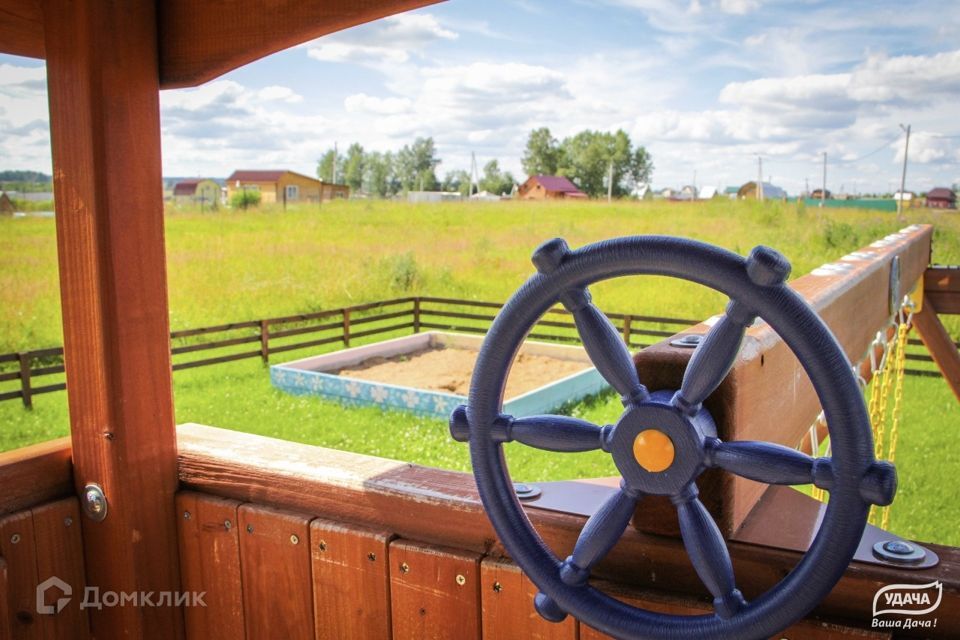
[(941, 346), (941, 286), (35, 474), (507, 606), (105, 137)]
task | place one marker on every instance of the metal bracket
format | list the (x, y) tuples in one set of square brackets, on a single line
[(895, 296)]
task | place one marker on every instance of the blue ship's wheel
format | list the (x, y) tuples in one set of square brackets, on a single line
[(663, 441)]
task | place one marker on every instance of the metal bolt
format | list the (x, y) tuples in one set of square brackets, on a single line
[(294, 538), (227, 525), (404, 567), (497, 587), (67, 521), (186, 515), (94, 502), (526, 491), (461, 580), (372, 557), (688, 341), (15, 538), (249, 528), (323, 545)]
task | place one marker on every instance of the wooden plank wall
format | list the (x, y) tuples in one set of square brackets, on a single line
[(268, 573), (36, 545)]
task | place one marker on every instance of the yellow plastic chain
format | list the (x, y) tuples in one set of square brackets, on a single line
[(901, 362)]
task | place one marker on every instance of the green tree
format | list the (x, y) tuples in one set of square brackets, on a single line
[(591, 158), (457, 181), (543, 153), (494, 180), (245, 198), (353, 167), (325, 166), (416, 165), (639, 169), (378, 177)]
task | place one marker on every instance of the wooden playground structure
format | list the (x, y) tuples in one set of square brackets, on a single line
[(285, 540)]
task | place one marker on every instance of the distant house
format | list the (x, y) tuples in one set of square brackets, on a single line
[(281, 186), (731, 192), (549, 188), (907, 196), (770, 192), (6, 206), (434, 196), (707, 193), (200, 192), (642, 192), (818, 194), (941, 198)]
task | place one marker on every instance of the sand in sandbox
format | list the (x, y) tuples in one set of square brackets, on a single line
[(449, 369)]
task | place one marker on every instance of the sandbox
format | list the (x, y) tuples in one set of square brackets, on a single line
[(430, 373)]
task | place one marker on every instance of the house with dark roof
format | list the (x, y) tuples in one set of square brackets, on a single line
[(282, 186), (941, 198), (549, 188), (769, 191), (199, 192)]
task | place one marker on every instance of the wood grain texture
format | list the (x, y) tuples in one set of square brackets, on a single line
[(275, 565), (442, 507), (507, 606), (939, 343), (104, 113), (210, 563), (941, 286), (351, 581), (18, 548), (21, 28), (35, 474), (676, 605), (59, 549), (767, 395), (434, 592), (248, 31), (6, 633)]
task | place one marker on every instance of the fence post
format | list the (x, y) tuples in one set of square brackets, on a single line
[(346, 327), (626, 330), (25, 388), (416, 314), (265, 340)]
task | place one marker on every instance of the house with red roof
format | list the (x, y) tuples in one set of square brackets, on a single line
[(941, 198), (282, 186), (200, 192), (549, 188)]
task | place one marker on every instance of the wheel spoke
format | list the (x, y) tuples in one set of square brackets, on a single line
[(708, 552), (764, 462), (599, 535), (558, 433), (713, 357), (604, 346)]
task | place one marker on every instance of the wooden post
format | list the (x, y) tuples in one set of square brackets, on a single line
[(346, 327), (939, 343), (626, 330), (103, 82), (265, 340), (25, 388), (416, 314)]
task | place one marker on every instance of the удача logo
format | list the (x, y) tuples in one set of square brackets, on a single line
[(908, 599)]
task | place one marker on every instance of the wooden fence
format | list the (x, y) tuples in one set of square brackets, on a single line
[(191, 348)]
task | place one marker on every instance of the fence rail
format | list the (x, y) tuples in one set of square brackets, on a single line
[(315, 329)]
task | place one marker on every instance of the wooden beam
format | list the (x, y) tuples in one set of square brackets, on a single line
[(939, 344), (767, 395), (21, 28), (941, 286), (35, 475), (105, 132), (247, 31), (443, 508)]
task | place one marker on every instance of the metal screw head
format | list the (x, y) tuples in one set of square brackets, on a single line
[(688, 341), (461, 580), (94, 502), (186, 515), (249, 528), (15, 538), (372, 557), (404, 567), (497, 587), (323, 545), (294, 538), (67, 521), (227, 525)]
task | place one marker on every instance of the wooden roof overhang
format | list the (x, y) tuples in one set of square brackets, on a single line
[(106, 62)]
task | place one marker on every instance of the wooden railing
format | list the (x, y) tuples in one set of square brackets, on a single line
[(270, 336)]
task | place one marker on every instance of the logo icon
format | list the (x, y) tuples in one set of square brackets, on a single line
[(908, 599), (50, 609)]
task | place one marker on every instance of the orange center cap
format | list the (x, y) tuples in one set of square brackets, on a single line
[(653, 450)]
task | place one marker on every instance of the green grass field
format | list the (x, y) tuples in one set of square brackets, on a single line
[(226, 267)]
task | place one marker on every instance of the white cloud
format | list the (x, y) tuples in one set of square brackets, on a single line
[(389, 41), (362, 103), (739, 7), (278, 93)]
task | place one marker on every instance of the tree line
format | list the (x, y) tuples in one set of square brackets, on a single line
[(590, 159)]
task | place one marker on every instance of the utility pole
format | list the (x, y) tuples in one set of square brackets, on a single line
[(903, 176), (823, 187), (760, 178), (333, 170), (806, 191), (474, 174), (610, 182)]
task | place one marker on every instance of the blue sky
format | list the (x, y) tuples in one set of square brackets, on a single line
[(708, 86)]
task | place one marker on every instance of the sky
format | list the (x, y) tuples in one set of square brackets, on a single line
[(707, 86)]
